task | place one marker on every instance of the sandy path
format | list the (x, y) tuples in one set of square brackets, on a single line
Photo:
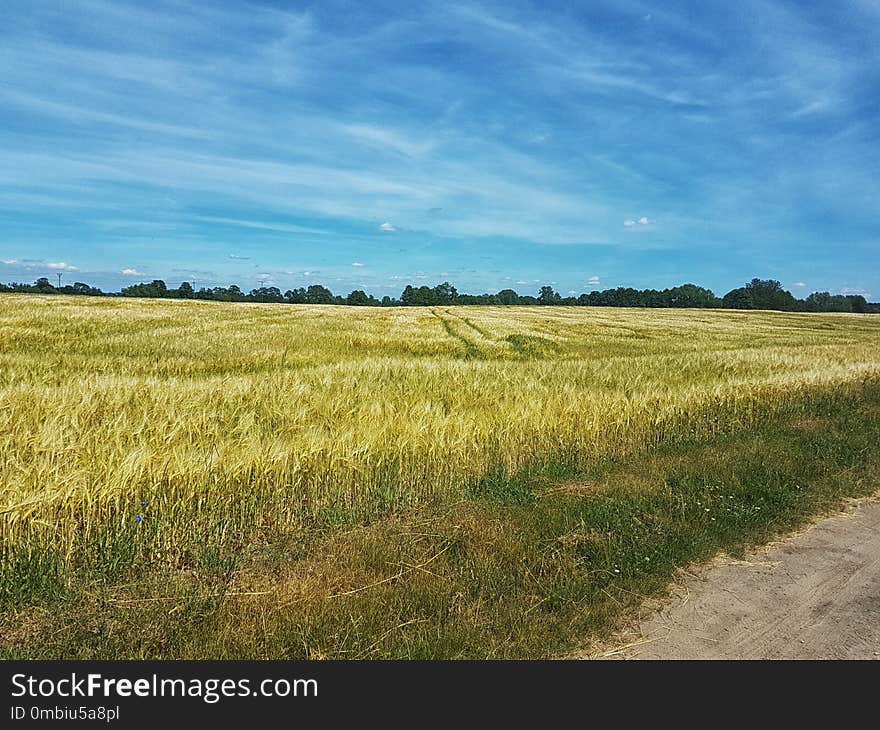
[(815, 595)]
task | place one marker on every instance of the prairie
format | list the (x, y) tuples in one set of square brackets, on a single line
[(183, 436)]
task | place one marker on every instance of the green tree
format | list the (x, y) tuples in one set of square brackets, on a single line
[(738, 299), (266, 294), (689, 295), (508, 296), (317, 294), (548, 296), (769, 294), (358, 298), (858, 303)]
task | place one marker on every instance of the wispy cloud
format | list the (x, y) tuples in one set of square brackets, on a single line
[(131, 272), (259, 225), (855, 290), (60, 266), (387, 139), (282, 133)]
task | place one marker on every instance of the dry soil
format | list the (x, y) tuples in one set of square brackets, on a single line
[(814, 595)]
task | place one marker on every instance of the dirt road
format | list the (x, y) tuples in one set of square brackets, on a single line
[(815, 595)]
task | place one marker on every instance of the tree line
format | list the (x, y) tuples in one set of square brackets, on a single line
[(756, 294)]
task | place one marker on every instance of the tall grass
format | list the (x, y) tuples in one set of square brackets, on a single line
[(200, 417)]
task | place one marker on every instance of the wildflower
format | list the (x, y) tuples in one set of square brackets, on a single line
[(138, 518), (143, 504)]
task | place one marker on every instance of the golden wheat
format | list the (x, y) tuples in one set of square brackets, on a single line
[(202, 406)]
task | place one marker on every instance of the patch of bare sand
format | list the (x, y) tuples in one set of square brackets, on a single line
[(813, 595)]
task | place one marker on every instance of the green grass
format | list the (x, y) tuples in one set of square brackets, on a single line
[(530, 564)]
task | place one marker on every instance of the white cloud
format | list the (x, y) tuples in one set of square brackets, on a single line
[(61, 266), (387, 227), (521, 281), (356, 263), (847, 290), (9, 262), (593, 281), (131, 272), (630, 223), (799, 283)]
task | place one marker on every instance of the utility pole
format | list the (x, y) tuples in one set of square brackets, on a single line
[(59, 275)]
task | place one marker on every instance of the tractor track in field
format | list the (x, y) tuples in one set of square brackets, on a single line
[(471, 349)]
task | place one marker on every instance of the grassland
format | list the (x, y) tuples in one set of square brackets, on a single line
[(199, 479)]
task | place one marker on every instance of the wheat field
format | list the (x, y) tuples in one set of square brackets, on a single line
[(169, 413)]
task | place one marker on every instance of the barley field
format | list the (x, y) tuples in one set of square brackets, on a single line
[(173, 414)]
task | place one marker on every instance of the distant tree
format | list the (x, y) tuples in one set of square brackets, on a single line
[(358, 298), (85, 290), (445, 293), (266, 294), (548, 296), (769, 294), (407, 296), (738, 299), (757, 294), (317, 294), (858, 303), (819, 301), (507, 297), (155, 288), (689, 295)]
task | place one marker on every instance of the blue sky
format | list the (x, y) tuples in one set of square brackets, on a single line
[(369, 145)]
